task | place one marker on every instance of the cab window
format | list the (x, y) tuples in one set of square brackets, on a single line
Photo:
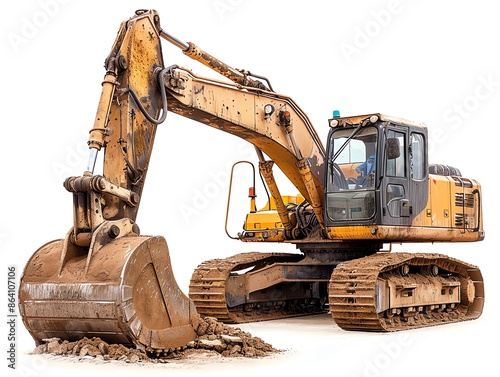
[(417, 156), (396, 166)]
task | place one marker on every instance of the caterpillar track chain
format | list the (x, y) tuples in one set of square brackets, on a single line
[(214, 282), (398, 291), (380, 292)]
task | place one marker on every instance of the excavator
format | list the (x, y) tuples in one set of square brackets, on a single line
[(371, 186)]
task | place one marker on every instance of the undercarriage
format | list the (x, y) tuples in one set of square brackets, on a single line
[(376, 292)]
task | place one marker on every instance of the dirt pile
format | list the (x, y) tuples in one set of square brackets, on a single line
[(213, 337)]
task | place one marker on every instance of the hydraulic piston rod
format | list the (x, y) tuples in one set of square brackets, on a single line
[(196, 53)]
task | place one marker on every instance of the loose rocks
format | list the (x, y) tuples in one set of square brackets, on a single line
[(213, 336)]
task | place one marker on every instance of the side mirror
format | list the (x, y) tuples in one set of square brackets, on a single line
[(392, 148)]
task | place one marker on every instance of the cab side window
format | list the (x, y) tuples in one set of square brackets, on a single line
[(396, 166), (417, 156)]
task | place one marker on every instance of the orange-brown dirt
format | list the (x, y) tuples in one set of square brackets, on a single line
[(212, 336)]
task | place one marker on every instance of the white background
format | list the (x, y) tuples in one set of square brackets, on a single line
[(436, 62)]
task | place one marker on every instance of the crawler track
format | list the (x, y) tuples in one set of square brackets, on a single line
[(356, 290), (207, 290), (353, 297)]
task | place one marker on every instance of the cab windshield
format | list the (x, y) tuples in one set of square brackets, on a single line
[(352, 157)]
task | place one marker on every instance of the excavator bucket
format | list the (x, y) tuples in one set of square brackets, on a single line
[(126, 293)]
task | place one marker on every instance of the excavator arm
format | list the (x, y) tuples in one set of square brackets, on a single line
[(124, 128), (137, 83)]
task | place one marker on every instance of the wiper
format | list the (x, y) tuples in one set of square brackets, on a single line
[(349, 138), (335, 171)]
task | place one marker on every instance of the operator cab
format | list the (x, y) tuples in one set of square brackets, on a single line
[(376, 171)]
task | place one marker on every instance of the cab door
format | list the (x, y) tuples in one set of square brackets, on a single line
[(404, 188), (396, 197)]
